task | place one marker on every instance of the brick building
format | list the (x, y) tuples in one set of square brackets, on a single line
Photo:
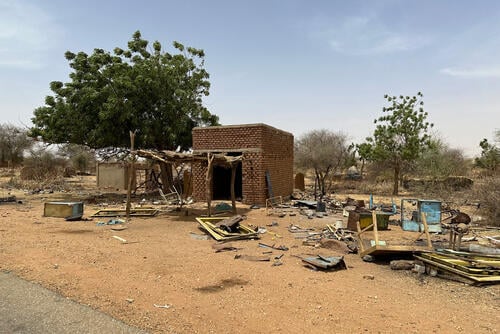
[(267, 156)]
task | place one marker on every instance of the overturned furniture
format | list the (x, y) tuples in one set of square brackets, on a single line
[(377, 247)]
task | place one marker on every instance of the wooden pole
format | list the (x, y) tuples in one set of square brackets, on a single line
[(426, 230), (131, 171), (375, 227), (233, 178), (210, 159)]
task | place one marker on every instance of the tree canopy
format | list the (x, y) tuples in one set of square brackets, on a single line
[(400, 135), (324, 152), (157, 93), (13, 142), (490, 154)]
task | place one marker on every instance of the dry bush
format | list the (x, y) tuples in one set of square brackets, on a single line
[(488, 194), (54, 184), (7, 172)]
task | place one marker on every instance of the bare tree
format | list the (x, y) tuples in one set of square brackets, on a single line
[(13, 142), (323, 151)]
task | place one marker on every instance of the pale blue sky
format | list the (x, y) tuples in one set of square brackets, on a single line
[(296, 65)]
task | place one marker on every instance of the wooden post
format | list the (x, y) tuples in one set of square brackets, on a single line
[(426, 230), (375, 227), (360, 240), (233, 178), (131, 171), (210, 159)]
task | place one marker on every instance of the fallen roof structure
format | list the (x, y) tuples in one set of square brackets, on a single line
[(212, 159)]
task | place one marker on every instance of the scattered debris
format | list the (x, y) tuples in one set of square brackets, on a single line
[(141, 212), (230, 224), (223, 208), (162, 306), (8, 199), (463, 266), (402, 264), (129, 300), (208, 224), (119, 238), (224, 247), (253, 258), (336, 245), (484, 249), (198, 236), (111, 222), (281, 247), (320, 262)]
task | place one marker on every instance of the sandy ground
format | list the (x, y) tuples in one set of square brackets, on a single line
[(212, 292)]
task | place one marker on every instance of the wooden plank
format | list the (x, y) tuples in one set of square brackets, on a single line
[(476, 279), (426, 229), (384, 249), (122, 212)]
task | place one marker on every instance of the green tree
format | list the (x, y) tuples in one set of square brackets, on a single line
[(157, 93), (324, 152), (439, 160), (400, 135), (13, 142), (490, 154)]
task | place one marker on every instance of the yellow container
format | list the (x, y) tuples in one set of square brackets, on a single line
[(366, 219)]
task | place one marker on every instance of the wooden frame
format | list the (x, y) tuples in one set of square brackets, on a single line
[(380, 248)]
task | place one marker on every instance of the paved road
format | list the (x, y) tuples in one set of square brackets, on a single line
[(28, 308)]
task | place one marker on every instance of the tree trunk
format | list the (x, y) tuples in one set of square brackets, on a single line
[(131, 174), (315, 184), (397, 171), (167, 178)]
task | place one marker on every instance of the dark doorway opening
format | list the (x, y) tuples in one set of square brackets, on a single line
[(222, 183)]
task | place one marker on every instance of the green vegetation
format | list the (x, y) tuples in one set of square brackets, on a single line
[(400, 136), (157, 93)]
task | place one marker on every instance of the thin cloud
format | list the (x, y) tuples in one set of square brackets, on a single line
[(493, 72), (27, 32), (367, 35)]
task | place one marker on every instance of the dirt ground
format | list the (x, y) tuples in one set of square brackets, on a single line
[(212, 292)]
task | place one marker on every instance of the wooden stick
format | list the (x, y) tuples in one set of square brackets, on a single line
[(131, 171), (426, 230), (360, 241)]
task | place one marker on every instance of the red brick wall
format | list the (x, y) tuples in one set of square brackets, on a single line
[(263, 147)]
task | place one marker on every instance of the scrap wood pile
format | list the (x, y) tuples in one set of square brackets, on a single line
[(226, 229), (330, 237), (472, 268), (8, 199)]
